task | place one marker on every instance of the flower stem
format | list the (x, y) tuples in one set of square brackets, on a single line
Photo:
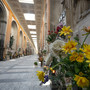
[(84, 40), (57, 65)]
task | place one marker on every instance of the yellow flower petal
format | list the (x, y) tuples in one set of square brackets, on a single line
[(86, 50), (80, 57), (81, 74), (69, 46), (65, 30), (81, 81), (41, 75)]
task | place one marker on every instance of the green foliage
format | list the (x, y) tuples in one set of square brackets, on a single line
[(51, 38), (35, 63), (54, 62), (76, 38), (44, 51)]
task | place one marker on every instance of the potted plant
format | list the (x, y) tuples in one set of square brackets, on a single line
[(35, 63), (10, 54)]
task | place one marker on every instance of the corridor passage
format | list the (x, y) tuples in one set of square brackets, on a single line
[(20, 74)]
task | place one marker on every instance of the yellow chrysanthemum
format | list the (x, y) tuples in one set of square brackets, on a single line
[(51, 69), (69, 37), (86, 50), (76, 77), (73, 56), (88, 61), (41, 75), (68, 47), (81, 74), (81, 81), (80, 57), (65, 30)]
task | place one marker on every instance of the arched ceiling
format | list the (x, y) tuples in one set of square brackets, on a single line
[(19, 9)]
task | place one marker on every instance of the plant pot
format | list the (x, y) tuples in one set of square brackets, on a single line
[(35, 65)]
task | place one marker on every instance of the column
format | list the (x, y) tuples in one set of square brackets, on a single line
[(8, 31), (26, 43), (48, 15), (23, 42), (18, 36)]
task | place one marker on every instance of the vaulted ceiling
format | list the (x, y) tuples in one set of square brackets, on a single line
[(19, 9)]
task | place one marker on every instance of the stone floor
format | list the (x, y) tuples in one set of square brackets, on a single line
[(20, 74)]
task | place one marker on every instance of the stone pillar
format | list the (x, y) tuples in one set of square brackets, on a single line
[(43, 35), (18, 36), (26, 43), (48, 15), (41, 39), (8, 31), (23, 42)]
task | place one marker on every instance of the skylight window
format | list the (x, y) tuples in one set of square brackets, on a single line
[(32, 26), (34, 39), (29, 16), (27, 1), (32, 32), (33, 36)]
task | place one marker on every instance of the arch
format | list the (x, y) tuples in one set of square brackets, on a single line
[(14, 30), (3, 22)]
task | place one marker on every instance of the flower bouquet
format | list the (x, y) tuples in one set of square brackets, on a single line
[(76, 62)]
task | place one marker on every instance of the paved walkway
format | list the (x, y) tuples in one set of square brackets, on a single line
[(20, 74)]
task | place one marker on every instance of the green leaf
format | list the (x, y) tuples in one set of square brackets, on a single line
[(76, 69), (69, 74), (76, 38)]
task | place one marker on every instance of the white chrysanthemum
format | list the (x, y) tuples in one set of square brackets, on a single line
[(56, 47)]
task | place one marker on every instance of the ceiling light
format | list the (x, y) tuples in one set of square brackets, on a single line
[(35, 40), (29, 16), (32, 26), (32, 32), (27, 1), (33, 36)]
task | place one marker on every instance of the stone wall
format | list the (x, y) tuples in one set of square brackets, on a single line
[(78, 16), (76, 10), (79, 27), (55, 12)]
